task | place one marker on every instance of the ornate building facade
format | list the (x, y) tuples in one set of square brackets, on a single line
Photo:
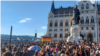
[(60, 21)]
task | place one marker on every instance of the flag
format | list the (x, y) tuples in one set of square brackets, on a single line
[(18, 38), (46, 39)]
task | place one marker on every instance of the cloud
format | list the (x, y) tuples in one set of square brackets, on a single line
[(24, 20), (78, 0), (44, 27), (92, 1)]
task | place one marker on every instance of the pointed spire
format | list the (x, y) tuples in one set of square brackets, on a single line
[(52, 8), (97, 2), (74, 4)]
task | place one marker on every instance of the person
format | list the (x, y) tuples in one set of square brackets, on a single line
[(91, 53), (48, 52), (2, 51), (13, 51), (8, 50), (44, 53), (25, 53), (66, 54), (54, 53), (7, 54), (36, 53), (17, 53), (31, 52), (62, 54)]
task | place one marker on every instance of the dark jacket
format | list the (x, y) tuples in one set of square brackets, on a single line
[(31, 53), (25, 54)]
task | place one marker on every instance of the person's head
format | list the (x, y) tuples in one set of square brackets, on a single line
[(66, 54), (54, 53), (7, 54), (62, 54), (17, 53), (44, 53), (2, 50), (7, 49), (24, 50)]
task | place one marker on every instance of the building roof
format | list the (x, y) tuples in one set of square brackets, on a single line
[(45, 36), (62, 10), (66, 10)]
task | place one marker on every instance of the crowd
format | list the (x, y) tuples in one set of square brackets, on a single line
[(52, 48)]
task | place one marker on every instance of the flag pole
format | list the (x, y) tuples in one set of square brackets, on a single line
[(35, 34), (10, 37)]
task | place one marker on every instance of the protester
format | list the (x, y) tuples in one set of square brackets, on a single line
[(17, 53), (7, 54), (52, 48), (2, 51)]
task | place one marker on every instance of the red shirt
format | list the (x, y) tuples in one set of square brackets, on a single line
[(56, 49), (80, 54)]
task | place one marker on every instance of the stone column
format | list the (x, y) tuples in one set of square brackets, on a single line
[(69, 23), (96, 30), (58, 28), (64, 26), (53, 28), (48, 27)]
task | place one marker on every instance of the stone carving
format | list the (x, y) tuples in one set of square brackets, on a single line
[(75, 28), (76, 15)]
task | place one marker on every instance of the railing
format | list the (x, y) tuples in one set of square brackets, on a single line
[(55, 26), (86, 23), (91, 23)]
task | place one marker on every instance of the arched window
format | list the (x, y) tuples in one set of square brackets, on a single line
[(56, 23), (66, 35), (49, 34), (61, 36), (86, 28), (50, 23), (92, 19), (66, 23), (82, 6), (50, 29), (82, 20), (99, 21), (61, 23), (87, 20), (55, 35), (87, 6), (92, 28), (81, 28)]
